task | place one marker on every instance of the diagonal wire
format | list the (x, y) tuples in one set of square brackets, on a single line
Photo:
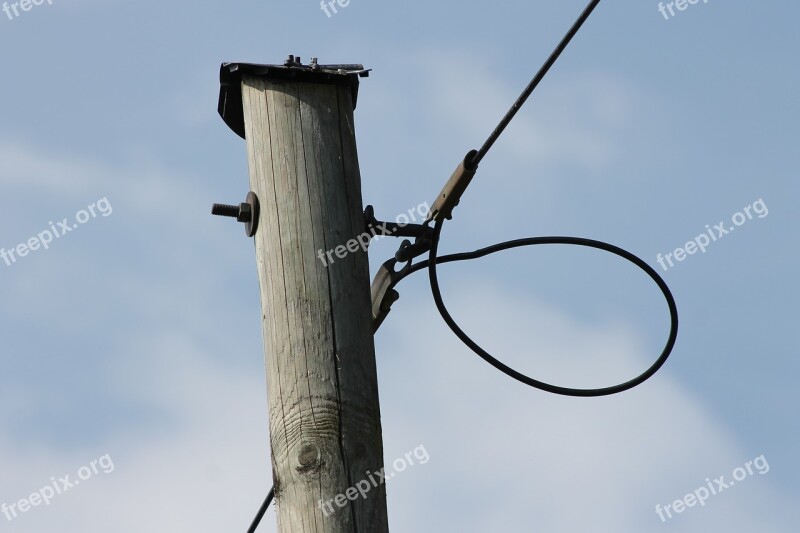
[(533, 84), (264, 507)]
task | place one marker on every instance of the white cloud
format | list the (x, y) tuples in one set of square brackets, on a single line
[(209, 472), (25, 167), (502, 457), (568, 122), (151, 190), (508, 458)]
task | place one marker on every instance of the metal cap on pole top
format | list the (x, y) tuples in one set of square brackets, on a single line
[(230, 79)]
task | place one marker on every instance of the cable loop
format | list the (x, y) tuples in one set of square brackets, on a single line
[(433, 260)]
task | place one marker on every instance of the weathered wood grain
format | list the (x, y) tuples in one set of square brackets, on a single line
[(324, 414)]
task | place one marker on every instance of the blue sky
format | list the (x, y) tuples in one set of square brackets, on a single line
[(137, 335)]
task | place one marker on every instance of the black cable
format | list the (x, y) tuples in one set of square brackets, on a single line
[(533, 84), (264, 507), (434, 260)]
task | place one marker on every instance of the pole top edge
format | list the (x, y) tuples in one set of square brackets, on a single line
[(231, 74)]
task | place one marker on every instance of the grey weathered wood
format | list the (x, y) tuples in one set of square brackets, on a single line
[(324, 415)]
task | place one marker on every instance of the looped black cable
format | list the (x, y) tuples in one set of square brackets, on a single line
[(434, 259)]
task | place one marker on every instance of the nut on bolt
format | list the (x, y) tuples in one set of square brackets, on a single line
[(246, 212)]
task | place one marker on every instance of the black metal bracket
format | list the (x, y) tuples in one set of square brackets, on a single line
[(422, 234), (382, 289), (393, 229)]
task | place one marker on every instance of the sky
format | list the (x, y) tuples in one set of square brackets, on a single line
[(132, 357)]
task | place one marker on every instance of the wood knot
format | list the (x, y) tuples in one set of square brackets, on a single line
[(309, 458)]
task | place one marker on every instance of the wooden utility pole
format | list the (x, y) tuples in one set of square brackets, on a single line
[(324, 414)]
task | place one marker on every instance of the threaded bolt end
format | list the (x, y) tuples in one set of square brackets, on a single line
[(225, 210)]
